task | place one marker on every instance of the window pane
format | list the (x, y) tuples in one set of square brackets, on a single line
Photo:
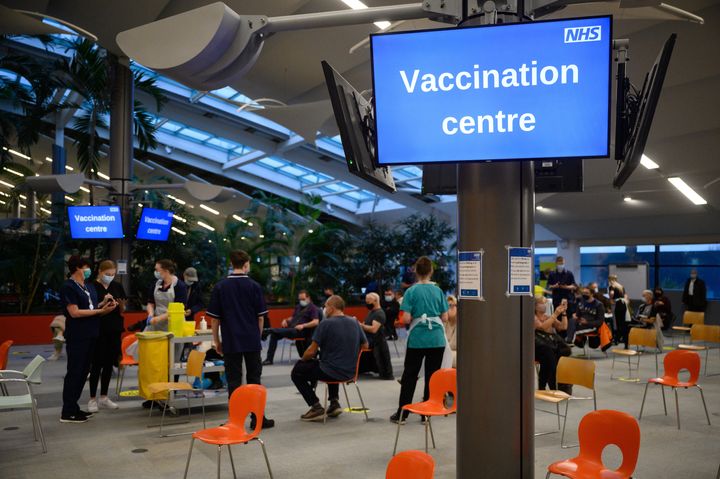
[(605, 255), (599, 274), (672, 278), (694, 254)]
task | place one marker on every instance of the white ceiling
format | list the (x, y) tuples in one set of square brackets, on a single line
[(685, 139)]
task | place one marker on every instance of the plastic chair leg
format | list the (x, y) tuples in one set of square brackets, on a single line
[(362, 403), (327, 392), (662, 391), (232, 462), (562, 437), (426, 437), (432, 435), (642, 405), (397, 435), (702, 396), (677, 407), (267, 462), (219, 450), (187, 465), (557, 408), (347, 398)]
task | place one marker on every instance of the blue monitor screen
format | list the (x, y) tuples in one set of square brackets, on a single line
[(154, 224), (95, 222), (506, 92)]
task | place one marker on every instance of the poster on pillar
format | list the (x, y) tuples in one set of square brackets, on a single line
[(470, 275), (520, 271)]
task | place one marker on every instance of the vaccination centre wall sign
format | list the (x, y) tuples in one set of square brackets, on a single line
[(500, 92), (95, 222)]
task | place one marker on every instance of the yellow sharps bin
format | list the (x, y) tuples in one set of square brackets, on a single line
[(153, 359)]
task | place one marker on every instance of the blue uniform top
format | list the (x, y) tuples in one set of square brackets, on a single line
[(83, 296), (237, 302), (566, 278)]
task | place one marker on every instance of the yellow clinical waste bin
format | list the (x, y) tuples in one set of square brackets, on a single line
[(153, 361), (176, 319)]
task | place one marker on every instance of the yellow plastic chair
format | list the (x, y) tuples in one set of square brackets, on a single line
[(194, 369), (638, 337), (704, 333), (689, 318), (578, 372)]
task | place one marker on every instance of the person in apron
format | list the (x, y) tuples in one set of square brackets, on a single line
[(425, 308), (166, 289)]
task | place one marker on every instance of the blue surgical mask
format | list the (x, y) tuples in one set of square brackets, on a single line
[(107, 278), (304, 303), (86, 273), (158, 275)]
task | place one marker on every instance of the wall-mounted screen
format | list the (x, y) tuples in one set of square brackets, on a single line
[(95, 222), (500, 92), (154, 224)]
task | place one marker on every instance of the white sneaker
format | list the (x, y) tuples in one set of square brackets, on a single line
[(54, 356), (92, 405), (106, 403), (59, 338)]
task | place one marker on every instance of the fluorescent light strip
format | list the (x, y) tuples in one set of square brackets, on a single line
[(46, 211), (179, 218), (4, 194), (178, 230), (206, 226), (86, 190), (17, 153), (358, 5), (5, 183), (648, 163), (14, 172), (686, 190), (69, 198), (239, 218), (22, 206), (176, 200), (23, 197), (103, 175), (69, 168), (48, 159), (207, 208), (2, 202)]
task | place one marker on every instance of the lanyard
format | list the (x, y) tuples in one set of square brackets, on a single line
[(85, 290)]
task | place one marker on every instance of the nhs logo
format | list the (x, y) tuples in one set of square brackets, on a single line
[(583, 34)]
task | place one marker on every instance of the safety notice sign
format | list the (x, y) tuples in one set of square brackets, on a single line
[(520, 271), (470, 275)]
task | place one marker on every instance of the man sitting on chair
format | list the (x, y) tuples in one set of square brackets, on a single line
[(340, 339), (589, 316), (305, 318)]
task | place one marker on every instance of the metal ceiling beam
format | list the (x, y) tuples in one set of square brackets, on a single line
[(318, 185), (251, 157)]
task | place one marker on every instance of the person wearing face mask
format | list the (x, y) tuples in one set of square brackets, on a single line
[(451, 327), (237, 308), (590, 314), (562, 284), (663, 306), (195, 302), (107, 347), (305, 318), (391, 307), (695, 293), (621, 318), (167, 289), (375, 332), (549, 347), (82, 328)]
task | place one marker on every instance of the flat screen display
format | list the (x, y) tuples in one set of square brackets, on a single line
[(154, 224), (502, 92), (95, 222)]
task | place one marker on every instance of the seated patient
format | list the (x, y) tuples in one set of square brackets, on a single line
[(305, 318), (339, 339), (549, 347), (589, 316), (647, 316)]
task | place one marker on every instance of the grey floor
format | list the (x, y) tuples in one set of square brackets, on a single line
[(118, 444)]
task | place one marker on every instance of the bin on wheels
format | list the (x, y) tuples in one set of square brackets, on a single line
[(153, 359)]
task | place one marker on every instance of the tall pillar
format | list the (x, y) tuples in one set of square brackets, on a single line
[(58, 168), (495, 423), (121, 155)]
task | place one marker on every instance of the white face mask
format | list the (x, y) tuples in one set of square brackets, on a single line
[(189, 282), (388, 298), (304, 303), (107, 278), (560, 267), (325, 313), (157, 275)]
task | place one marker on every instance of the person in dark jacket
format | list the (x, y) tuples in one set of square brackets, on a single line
[(663, 306), (391, 307), (695, 293), (589, 317), (195, 302)]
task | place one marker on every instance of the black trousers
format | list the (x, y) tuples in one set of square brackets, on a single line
[(413, 362), (234, 372), (381, 353), (107, 350), (79, 355), (306, 375), (548, 359), (278, 333), (622, 327)]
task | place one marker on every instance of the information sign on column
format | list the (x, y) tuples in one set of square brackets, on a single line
[(470, 275), (520, 271)]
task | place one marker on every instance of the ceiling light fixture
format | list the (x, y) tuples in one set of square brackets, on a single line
[(206, 226), (179, 218), (48, 159), (239, 218), (627, 199), (207, 208), (177, 200), (648, 163), (69, 168), (14, 172), (358, 5), (178, 230), (70, 198), (5, 183), (17, 153), (23, 197), (103, 175), (86, 190), (686, 190), (539, 207), (46, 211)]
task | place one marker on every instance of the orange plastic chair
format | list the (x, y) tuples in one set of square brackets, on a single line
[(4, 351), (349, 381), (245, 400), (597, 430), (411, 465), (674, 362), (442, 383), (126, 361)]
